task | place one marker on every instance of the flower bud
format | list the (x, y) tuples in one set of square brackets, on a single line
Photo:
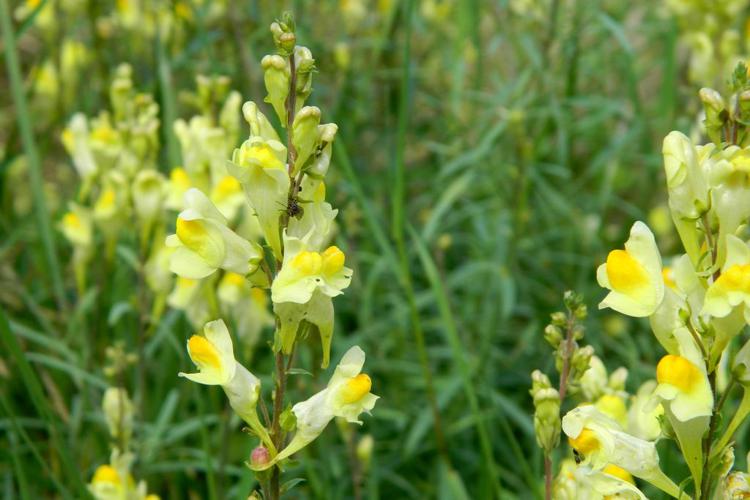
[(276, 78), (364, 451), (618, 378), (148, 193), (547, 418), (305, 135), (580, 360), (553, 336), (283, 35), (559, 318), (260, 456), (305, 66), (716, 114), (118, 411)]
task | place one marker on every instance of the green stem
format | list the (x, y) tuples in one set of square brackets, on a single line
[(743, 410), (32, 155)]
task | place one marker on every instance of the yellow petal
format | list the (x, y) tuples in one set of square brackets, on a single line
[(356, 388), (308, 263), (618, 472), (678, 372), (333, 260), (106, 474), (625, 274), (586, 442), (203, 352)]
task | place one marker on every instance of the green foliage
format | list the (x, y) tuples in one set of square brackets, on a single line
[(489, 154)]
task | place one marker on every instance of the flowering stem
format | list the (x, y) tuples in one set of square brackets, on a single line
[(706, 489), (278, 405), (547, 476)]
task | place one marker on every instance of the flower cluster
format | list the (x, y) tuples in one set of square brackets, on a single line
[(697, 304), (284, 190)]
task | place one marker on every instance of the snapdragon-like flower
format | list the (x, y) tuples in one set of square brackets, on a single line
[(148, 195), (260, 166), (75, 139), (347, 396), (114, 481), (600, 441), (633, 275), (687, 186), (178, 184), (685, 393), (204, 243), (213, 354), (304, 272), (76, 225), (732, 288)]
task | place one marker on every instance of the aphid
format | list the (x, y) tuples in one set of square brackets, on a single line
[(578, 456)]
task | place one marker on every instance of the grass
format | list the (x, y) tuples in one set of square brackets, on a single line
[(486, 161)]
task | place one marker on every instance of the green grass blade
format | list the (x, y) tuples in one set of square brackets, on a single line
[(29, 145)]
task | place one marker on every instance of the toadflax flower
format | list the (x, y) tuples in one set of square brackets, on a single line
[(260, 166), (204, 243), (213, 354), (347, 396), (685, 393), (732, 288), (600, 441), (304, 272), (633, 275)]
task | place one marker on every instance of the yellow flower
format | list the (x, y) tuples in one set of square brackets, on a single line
[(633, 275), (203, 243), (732, 288), (685, 386), (347, 396), (304, 271), (601, 443)]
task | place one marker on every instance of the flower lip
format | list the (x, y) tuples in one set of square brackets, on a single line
[(203, 352), (678, 372), (625, 273), (106, 474), (585, 442), (355, 388)]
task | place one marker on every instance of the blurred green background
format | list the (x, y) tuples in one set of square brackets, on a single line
[(489, 154)]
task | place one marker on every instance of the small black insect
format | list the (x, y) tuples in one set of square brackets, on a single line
[(293, 208), (578, 456)]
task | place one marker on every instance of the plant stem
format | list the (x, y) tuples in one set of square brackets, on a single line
[(547, 476), (278, 407)]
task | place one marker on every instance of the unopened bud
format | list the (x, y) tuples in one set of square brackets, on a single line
[(559, 318), (581, 359), (539, 381), (305, 136), (276, 78), (364, 451), (283, 35), (553, 336), (711, 99), (547, 418), (260, 456), (618, 378)]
